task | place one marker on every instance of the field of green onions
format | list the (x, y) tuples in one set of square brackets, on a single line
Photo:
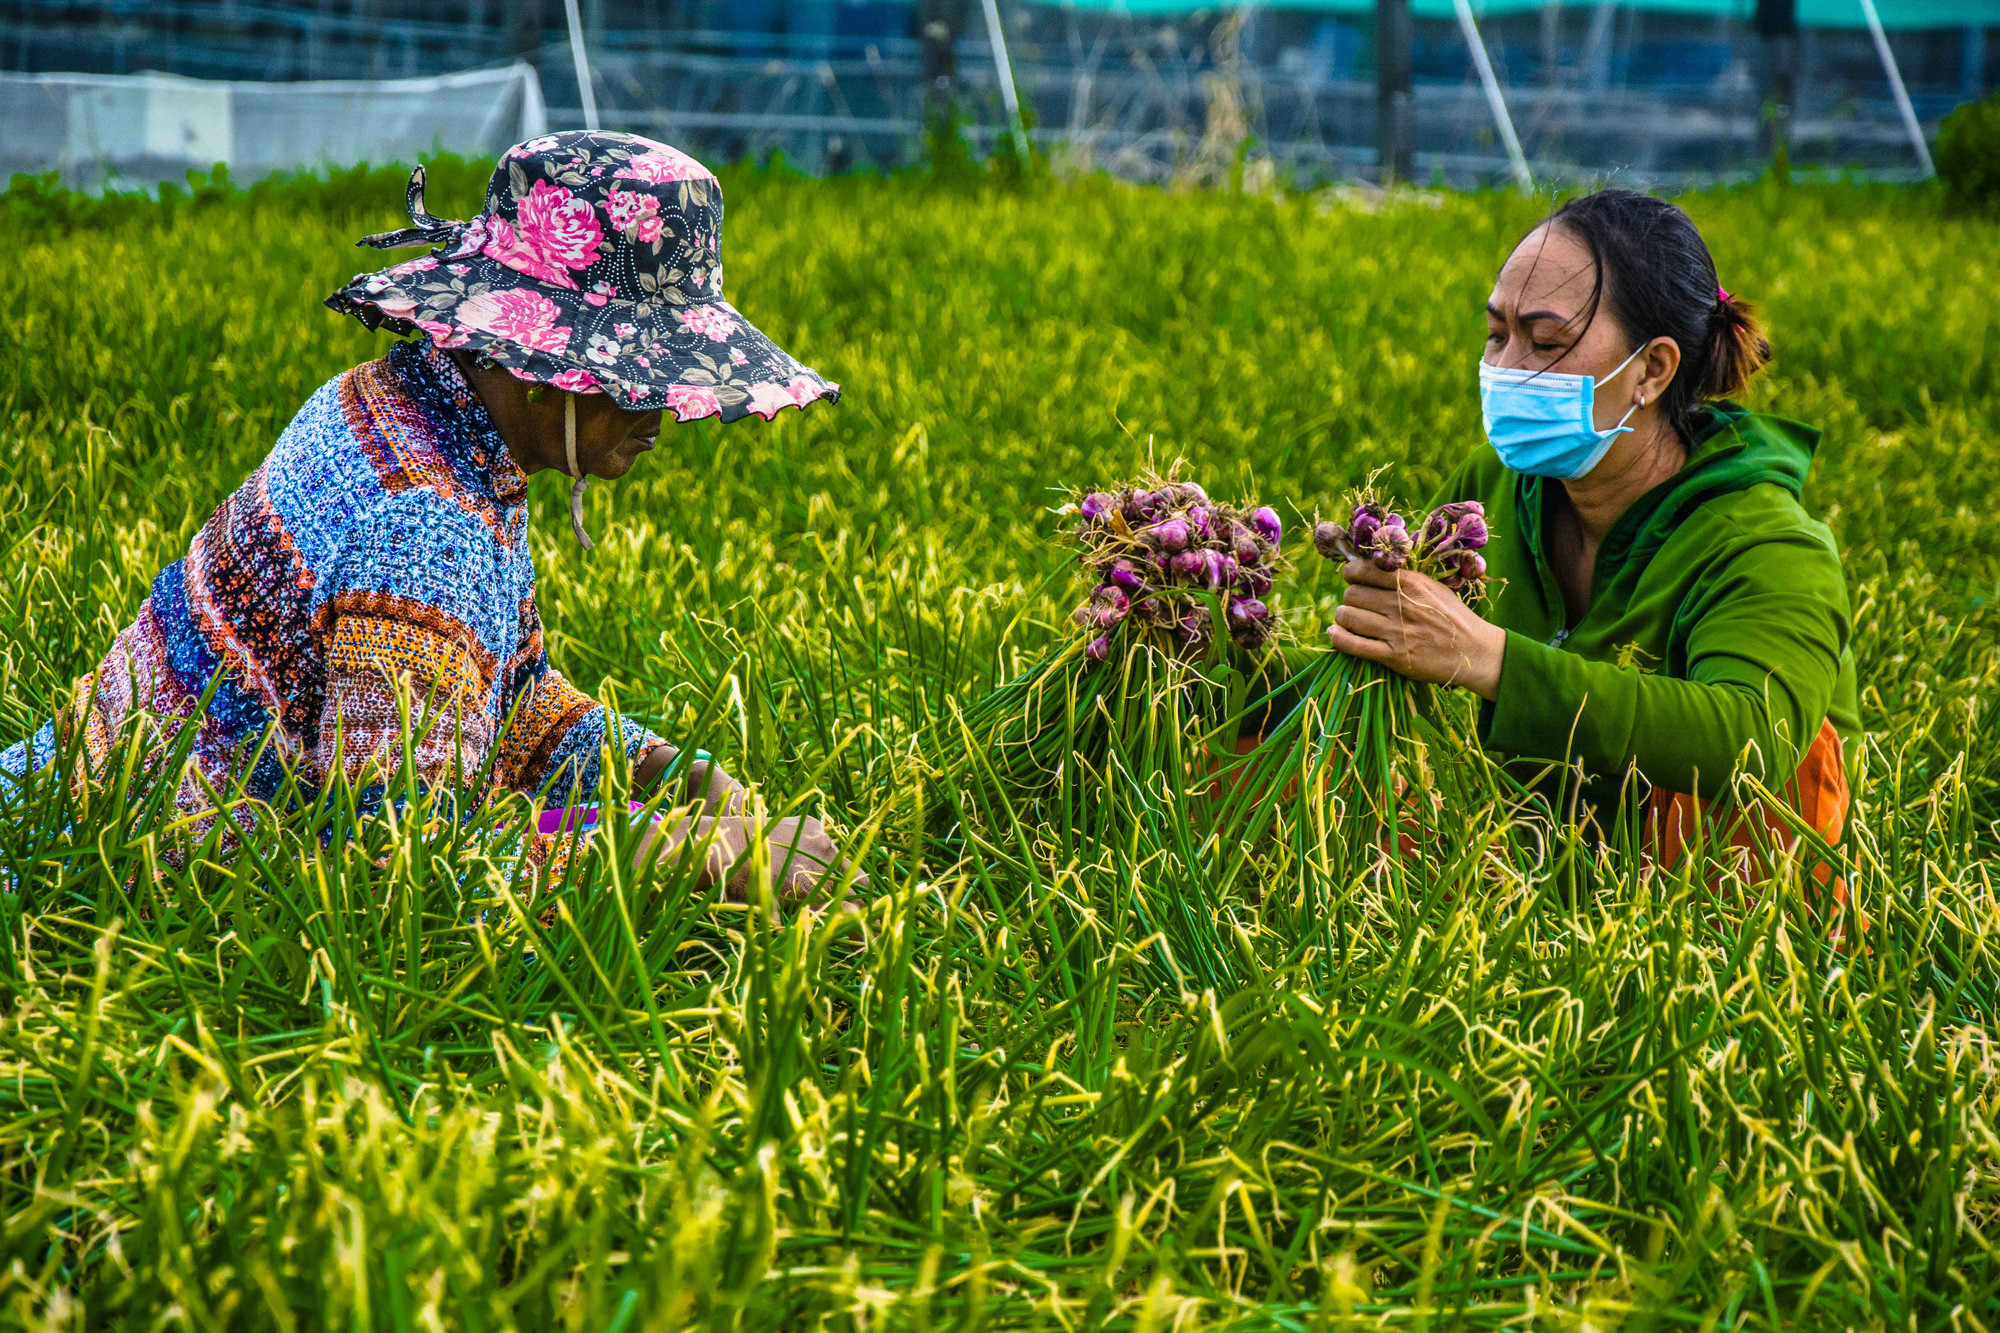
[(1042, 1081)]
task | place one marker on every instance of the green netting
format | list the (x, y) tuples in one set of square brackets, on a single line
[(1902, 14)]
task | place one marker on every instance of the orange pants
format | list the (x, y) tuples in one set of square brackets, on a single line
[(1818, 792)]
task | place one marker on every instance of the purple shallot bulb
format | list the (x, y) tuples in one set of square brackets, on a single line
[(1460, 526), (1265, 519), (1095, 506), (1225, 571), (1256, 582), (1248, 611), (1211, 569), (1393, 544), (1366, 524), (1126, 574), (1171, 535), (1377, 533), (1328, 539), (1141, 507), (1190, 566), (1249, 621), (1098, 649), (1198, 517)]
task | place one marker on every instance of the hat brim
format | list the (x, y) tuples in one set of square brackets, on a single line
[(693, 359)]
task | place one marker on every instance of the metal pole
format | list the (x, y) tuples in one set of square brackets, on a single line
[(1494, 99), (582, 66), (523, 21), (940, 20), (1597, 47), (1908, 112), (1777, 24), (996, 37), (1394, 119)]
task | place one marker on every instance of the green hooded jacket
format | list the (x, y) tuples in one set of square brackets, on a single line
[(1717, 632)]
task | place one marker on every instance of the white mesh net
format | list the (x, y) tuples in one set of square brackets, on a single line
[(138, 130)]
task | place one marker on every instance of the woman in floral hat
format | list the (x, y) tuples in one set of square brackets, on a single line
[(378, 559)]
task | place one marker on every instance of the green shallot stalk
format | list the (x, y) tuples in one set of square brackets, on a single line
[(1106, 746), (1345, 771)]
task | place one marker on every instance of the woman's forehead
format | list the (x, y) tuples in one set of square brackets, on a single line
[(1549, 270)]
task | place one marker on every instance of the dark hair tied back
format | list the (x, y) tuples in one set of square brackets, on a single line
[(1656, 272), (1738, 348)]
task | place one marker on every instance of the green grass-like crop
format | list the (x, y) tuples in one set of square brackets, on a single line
[(1045, 1083)]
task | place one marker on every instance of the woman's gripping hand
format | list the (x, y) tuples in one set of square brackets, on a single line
[(800, 863), (799, 854), (1417, 627), (711, 789)]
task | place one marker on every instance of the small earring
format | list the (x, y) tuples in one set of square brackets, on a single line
[(535, 394)]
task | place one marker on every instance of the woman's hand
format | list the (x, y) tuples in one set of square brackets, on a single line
[(798, 855), (1417, 627), (713, 791), (720, 793)]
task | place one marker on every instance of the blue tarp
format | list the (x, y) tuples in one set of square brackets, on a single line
[(1899, 14)]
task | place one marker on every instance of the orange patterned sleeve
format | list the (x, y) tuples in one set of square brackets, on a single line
[(386, 654), (555, 733)]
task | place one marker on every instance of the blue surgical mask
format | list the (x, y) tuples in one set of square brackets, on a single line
[(1540, 421)]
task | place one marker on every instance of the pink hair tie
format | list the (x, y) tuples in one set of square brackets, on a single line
[(1723, 296)]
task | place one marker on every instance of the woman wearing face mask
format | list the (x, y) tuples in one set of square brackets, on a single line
[(1661, 603), (368, 590)]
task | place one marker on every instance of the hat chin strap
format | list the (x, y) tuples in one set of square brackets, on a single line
[(582, 482)]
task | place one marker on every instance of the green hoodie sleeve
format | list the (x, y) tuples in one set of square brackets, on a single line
[(1765, 633)]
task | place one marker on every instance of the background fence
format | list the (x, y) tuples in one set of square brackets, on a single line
[(139, 129), (1595, 89)]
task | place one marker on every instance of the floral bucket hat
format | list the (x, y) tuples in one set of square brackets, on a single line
[(596, 265)]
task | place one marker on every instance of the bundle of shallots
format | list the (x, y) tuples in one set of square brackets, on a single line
[(1118, 717), (1353, 737), (1447, 546), (1169, 560)]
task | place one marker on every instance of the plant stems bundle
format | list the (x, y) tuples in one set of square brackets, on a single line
[(1349, 760), (1110, 725)]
